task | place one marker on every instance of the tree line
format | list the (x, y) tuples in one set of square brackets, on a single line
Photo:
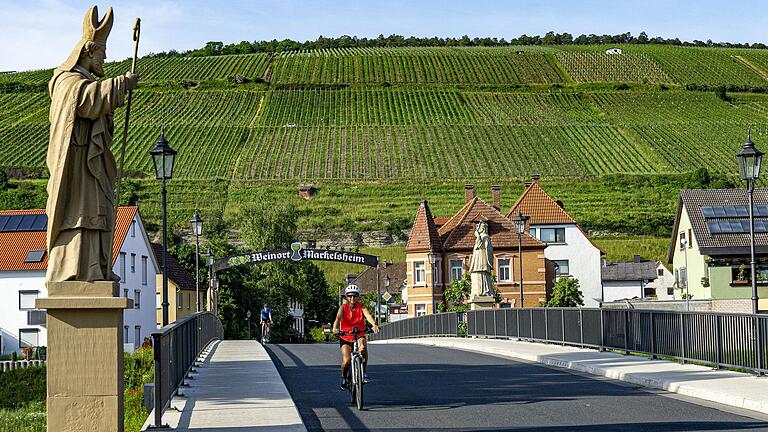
[(214, 48)]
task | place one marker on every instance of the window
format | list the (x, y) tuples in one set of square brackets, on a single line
[(125, 335), (552, 235), (29, 338), (670, 291), (179, 299), (421, 310), (419, 272), (457, 270), (125, 293), (137, 299), (742, 274), (682, 237), (158, 301), (683, 277), (660, 272), (504, 273), (143, 270), (133, 263), (122, 267), (27, 299), (133, 228), (533, 232), (137, 336), (690, 239), (189, 305), (561, 268)]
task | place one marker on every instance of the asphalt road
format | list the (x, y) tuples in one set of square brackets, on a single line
[(418, 388)]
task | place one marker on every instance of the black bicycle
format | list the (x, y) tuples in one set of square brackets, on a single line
[(356, 368)]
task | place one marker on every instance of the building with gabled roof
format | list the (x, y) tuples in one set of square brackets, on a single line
[(24, 260), (435, 256), (710, 247), (568, 246), (182, 287)]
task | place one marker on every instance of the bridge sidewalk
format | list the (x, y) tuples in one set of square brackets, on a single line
[(236, 389), (722, 386)]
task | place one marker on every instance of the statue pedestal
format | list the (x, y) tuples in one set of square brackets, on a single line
[(85, 356), (477, 302)]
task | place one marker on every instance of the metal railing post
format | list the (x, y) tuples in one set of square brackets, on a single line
[(626, 332), (546, 324), (683, 350), (719, 340), (602, 331), (158, 388), (562, 322), (581, 326), (759, 343), (653, 336)]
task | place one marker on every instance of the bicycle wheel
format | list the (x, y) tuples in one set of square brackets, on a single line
[(352, 384), (359, 383)]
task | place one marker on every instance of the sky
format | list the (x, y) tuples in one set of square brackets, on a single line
[(39, 34)]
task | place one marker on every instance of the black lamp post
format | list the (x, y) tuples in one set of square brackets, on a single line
[(386, 303), (749, 168), (520, 221), (163, 157), (197, 229), (248, 318)]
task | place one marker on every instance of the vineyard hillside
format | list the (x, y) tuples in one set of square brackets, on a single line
[(380, 120)]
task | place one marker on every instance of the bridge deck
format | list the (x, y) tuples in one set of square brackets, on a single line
[(237, 388)]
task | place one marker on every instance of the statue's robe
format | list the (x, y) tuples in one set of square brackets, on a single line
[(81, 202), (481, 266)]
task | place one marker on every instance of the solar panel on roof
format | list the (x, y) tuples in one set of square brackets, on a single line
[(34, 256), (3, 220), (26, 222), (40, 224), (13, 223)]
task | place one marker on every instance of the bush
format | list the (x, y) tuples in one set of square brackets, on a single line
[(20, 386), (3, 180), (139, 369), (316, 335)]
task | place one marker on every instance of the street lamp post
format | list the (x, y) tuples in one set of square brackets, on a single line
[(684, 244), (197, 229), (163, 157), (432, 259), (749, 168), (248, 318), (520, 221)]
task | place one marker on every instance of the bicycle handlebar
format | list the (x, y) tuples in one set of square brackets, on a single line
[(354, 331)]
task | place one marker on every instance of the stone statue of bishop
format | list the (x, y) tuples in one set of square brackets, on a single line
[(81, 198), (481, 264)]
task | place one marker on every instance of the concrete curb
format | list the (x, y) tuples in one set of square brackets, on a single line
[(721, 386)]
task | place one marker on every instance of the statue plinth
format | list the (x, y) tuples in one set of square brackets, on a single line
[(85, 355), (477, 302)]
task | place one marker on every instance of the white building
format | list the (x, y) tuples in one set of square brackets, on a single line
[(663, 287), (296, 312), (568, 246), (628, 280), (24, 259)]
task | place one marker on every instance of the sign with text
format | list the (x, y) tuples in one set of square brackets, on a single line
[(297, 253)]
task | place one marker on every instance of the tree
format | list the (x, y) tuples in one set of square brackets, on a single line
[(566, 293), (458, 293)]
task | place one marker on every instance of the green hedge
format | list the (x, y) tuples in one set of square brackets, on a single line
[(19, 386)]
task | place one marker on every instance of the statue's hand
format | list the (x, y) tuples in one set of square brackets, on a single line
[(131, 81)]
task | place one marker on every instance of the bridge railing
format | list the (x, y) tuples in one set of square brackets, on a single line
[(717, 339), (176, 347), (441, 324)]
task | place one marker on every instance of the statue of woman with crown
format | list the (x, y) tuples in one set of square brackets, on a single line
[(81, 198)]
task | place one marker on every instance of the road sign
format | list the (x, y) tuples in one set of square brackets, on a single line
[(386, 296)]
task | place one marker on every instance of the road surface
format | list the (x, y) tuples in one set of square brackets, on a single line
[(419, 388)]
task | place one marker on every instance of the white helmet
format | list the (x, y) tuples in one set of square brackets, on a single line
[(352, 288)]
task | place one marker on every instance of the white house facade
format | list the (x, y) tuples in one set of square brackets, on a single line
[(663, 287), (23, 261), (568, 246), (628, 280)]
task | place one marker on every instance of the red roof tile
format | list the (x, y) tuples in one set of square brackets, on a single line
[(424, 236), (176, 272), (540, 207)]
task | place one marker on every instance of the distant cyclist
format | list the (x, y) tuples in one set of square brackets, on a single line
[(349, 316), (266, 322)]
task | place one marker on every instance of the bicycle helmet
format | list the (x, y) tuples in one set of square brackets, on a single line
[(352, 288)]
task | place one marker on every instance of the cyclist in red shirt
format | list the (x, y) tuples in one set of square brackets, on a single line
[(349, 316)]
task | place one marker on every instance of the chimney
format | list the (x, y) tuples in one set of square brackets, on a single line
[(496, 190), (637, 258), (469, 192), (535, 177)]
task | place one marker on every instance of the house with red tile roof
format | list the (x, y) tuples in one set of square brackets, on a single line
[(438, 253), (568, 246), (23, 262)]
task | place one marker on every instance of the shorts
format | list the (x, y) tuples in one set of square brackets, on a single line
[(342, 342)]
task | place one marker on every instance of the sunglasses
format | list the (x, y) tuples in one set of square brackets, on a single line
[(351, 295)]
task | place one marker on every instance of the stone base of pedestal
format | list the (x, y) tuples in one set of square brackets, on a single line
[(481, 302), (84, 356)]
